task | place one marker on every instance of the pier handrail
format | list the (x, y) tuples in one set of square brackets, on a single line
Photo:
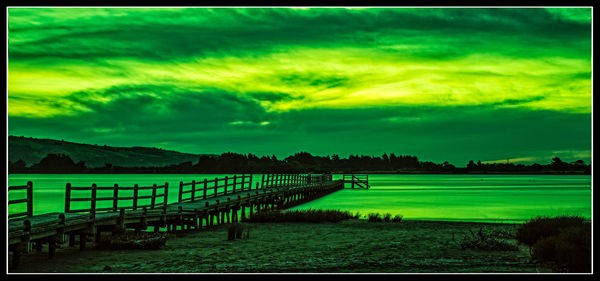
[(214, 187), (116, 198), (28, 200), (286, 180), (360, 180)]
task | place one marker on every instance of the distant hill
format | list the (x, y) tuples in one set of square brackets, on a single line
[(32, 150)]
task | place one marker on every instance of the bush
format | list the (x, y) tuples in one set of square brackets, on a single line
[(569, 251), (397, 218), (301, 216), (564, 243), (530, 232)]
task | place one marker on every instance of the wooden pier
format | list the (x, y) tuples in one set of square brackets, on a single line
[(200, 204)]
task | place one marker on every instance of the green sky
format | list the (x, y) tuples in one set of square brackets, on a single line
[(443, 84)]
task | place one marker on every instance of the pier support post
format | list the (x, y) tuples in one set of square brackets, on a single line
[(71, 239), (16, 256), (51, 246), (82, 238)]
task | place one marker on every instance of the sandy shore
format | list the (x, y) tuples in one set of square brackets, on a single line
[(348, 246)]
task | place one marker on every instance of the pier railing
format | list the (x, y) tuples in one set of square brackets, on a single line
[(212, 188), (284, 180), (91, 210), (91, 196), (357, 180), (28, 200)]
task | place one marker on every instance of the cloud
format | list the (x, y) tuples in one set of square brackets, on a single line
[(443, 84), (212, 122)]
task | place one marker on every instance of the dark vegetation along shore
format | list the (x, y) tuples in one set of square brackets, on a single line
[(75, 160), (314, 241)]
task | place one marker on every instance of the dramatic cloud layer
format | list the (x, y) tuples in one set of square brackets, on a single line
[(442, 84)]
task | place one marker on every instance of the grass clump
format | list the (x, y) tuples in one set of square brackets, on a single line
[(387, 217), (374, 217), (563, 243), (238, 231), (377, 217), (301, 216)]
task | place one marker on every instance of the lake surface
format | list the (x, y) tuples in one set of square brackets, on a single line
[(506, 198)]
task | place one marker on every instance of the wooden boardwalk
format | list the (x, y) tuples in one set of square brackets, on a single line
[(200, 204)]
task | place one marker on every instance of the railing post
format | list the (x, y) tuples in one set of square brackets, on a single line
[(193, 189), (250, 182), (135, 196), (29, 199), (93, 201), (180, 198), (262, 181), (68, 198), (216, 186), (166, 198), (225, 186), (243, 181), (205, 187), (115, 197), (352, 181), (234, 182), (153, 200)]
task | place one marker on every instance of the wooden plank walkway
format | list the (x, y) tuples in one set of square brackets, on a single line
[(200, 204)]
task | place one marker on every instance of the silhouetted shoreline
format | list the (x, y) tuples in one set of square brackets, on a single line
[(303, 162)]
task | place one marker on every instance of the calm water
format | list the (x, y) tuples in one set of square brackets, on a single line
[(435, 197)]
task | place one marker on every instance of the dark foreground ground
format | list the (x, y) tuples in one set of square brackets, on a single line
[(348, 246)]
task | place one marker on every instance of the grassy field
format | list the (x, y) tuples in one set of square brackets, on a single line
[(350, 246)]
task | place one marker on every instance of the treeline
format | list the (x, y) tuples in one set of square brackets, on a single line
[(301, 162)]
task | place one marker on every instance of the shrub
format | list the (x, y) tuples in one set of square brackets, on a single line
[(568, 251), (530, 232), (301, 216), (564, 243), (397, 218)]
